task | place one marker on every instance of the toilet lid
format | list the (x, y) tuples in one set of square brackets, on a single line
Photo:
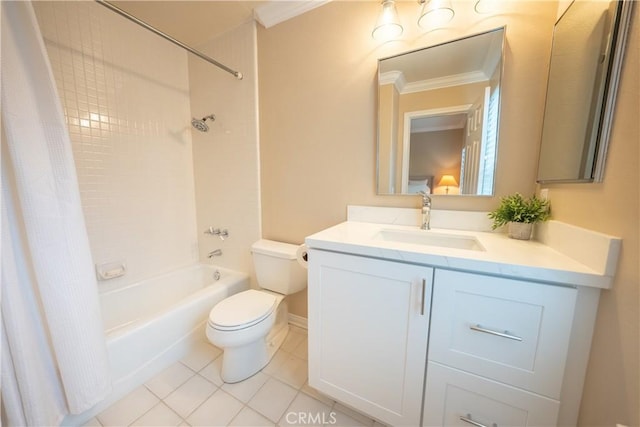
[(242, 309)]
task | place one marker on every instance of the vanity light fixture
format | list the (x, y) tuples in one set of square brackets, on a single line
[(447, 181), (435, 13), (388, 26)]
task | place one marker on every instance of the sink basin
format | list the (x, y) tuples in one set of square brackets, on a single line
[(430, 238)]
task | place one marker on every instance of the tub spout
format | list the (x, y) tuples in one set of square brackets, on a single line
[(217, 252)]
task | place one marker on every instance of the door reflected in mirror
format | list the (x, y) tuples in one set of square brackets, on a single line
[(438, 117)]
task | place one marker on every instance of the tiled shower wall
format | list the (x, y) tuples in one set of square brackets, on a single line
[(226, 159), (125, 93)]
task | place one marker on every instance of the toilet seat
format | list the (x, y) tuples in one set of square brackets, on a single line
[(242, 310)]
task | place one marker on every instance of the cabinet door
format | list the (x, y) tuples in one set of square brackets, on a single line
[(456, 398), (368, 327), (512, 331)]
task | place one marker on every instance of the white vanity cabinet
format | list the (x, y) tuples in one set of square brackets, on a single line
[(368, 332), (501, 351), (414, 330), (497, 350)]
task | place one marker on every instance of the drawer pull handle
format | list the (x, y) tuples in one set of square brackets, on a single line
[(468, 420), (424, 288), (504, 334)]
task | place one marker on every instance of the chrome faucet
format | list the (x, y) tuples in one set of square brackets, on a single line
[(217, 252), (426, 211)]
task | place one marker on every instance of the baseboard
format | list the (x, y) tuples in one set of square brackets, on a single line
[(299, 321)]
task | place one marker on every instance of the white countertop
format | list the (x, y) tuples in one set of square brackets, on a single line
[(502, 256)]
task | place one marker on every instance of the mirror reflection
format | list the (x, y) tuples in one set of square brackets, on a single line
[(438, 117), (585, 60)]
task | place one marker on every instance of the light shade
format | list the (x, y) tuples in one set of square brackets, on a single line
[(388, 26), (448, 181), (486, 6), (435, 14)]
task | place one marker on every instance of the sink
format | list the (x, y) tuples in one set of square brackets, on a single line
[(430, 238)]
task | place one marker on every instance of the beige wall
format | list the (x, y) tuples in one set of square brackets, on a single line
[(318, 109), (611, 393), (317, 85)]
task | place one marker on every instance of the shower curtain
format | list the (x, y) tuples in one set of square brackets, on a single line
[(54, 358)]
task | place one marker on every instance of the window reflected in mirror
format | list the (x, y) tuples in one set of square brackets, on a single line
[(438, 116)]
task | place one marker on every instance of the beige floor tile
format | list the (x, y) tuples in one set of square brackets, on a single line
[(273, 399), (245, 390), (159, 415), (186, 398), (129, 408), (250, 418), (170, 379), (348, 417), (306, 411), (275, 362), (292, 371), (212, 371), (201, 355), (293, 339), (218, 410), (306, 388)]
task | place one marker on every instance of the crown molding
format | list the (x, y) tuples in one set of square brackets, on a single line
[(446, 81), (395, 78)]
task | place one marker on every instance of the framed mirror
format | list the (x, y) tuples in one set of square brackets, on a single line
[(586, 58), (438, 117)]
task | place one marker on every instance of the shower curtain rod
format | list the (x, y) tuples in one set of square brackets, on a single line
[(165, 36)]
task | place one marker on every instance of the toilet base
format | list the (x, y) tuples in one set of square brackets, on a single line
[(239, 363)]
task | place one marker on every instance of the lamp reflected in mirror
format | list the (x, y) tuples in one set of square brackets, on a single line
[(447, 181)]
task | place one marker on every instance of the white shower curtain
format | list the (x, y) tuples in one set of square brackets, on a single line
[(54, 359)]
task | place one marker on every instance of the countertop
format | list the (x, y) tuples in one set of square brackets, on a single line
[(501, 256)]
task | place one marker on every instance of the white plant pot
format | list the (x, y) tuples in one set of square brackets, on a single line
[(520, 230)]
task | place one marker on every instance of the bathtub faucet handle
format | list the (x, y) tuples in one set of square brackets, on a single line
[(212, 231), (223, 234), (217, 252)]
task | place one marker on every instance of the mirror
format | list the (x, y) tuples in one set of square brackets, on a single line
[(588, 45), (438, 117)]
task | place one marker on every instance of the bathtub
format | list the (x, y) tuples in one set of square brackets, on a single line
[(153, 323)]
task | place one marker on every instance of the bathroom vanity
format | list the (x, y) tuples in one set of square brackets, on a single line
[(453, 327)]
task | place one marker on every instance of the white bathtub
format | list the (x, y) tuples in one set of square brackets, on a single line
[(151, 324), (156, 318)]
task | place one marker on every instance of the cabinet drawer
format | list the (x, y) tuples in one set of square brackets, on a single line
[(456, 398), (512, 331)]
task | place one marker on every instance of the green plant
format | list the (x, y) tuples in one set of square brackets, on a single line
[(516, 208)]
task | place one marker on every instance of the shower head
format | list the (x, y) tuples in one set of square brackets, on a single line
[(200, 124)]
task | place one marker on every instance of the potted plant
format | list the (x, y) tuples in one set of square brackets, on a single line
[(520, 214)]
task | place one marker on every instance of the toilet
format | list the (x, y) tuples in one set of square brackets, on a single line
[(250, 326)]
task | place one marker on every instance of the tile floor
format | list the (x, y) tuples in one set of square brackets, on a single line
[(191, 393)]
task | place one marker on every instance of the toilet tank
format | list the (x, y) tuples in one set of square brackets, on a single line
[(277, 268)]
